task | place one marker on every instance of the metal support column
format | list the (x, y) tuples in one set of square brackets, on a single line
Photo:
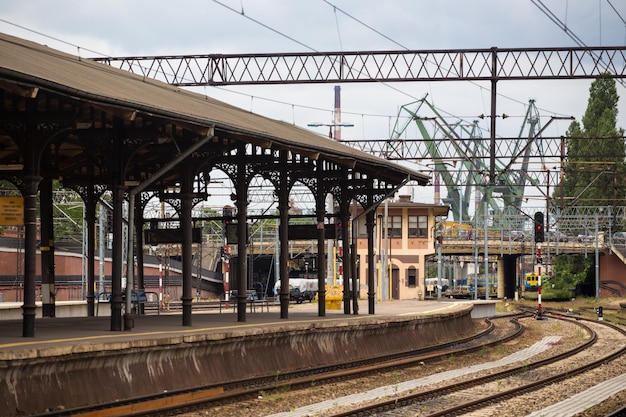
[(186, 225), (47, 249), (242, 231), (347, 267), (31, 182), (283, 235), (117, 261), (139, 207), (29, 192), (90, 216), (320, 204), (370, 223)]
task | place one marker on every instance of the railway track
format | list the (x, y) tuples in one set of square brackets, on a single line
[(508, 328), (466, 396)]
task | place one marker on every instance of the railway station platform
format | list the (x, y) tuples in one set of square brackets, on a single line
[(77, 361)]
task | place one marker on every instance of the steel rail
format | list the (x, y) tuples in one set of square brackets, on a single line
[(408, 400)]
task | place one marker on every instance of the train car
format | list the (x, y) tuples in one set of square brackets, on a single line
[(531, 282), (433, 282), (491, 281)]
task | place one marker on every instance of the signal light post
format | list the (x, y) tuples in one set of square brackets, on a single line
[(539, 235), (539, 238), (539, 262)]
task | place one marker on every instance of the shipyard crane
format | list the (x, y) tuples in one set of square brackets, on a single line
[(460, 158)]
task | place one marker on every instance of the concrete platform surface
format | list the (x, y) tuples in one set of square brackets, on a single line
[(93, 331), (70, 359)]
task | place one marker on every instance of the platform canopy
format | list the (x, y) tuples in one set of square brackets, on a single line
[(84, 112), (96, 128)]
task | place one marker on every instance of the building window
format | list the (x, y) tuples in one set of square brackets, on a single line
[(362, 225), (411, 276), (418, 226), (395, 226)]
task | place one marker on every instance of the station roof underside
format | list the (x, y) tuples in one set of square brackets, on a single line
[(29, 69)]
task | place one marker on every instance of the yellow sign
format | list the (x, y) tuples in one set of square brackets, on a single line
[(12, 211)]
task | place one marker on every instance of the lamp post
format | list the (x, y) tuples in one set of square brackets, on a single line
[(330, 126), (439, 240), (486, 252)]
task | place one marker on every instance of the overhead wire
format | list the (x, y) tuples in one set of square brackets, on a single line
[(292, 39), (300, 43), (408, 49), (264, 25), (620, 17), (78, 47), (101, 54), (311, 48), (242, 13), (366, 25), (600, 20), (616, 12), (338, 31), (546, 10)]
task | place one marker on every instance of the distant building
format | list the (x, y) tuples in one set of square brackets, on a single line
[(409, 239)]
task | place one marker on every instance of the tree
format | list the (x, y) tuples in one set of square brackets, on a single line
[(594, 165), (593, 171), (570, 270)]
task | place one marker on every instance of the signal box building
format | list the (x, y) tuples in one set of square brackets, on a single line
[(405, 238)]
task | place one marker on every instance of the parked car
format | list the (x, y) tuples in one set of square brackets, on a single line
[(556, 236), (300, 296), (619, 238), (586, 237)]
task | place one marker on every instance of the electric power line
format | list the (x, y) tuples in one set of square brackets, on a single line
[(546, 10), (406, 48), (265, 26), (620, 16)]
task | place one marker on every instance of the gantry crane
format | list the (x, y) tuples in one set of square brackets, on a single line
[(460, 159)]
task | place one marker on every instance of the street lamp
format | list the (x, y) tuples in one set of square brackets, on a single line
[(330, 126)]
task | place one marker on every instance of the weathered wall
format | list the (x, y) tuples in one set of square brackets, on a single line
[(612, 270), (79, 375)]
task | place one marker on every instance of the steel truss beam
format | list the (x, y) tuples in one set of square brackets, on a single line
[(492, 65), (415, 149)]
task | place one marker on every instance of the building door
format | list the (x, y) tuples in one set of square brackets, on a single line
[(395, 283)]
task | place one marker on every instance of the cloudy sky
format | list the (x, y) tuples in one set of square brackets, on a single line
[(156, 27)]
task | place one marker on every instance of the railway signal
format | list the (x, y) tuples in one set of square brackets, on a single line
[(339, 230), (539, 262), (539, 235)]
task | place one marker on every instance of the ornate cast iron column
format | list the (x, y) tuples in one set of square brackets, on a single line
[(47, 250), (370, 221), (283, 235), (186, 225), (242, 231), (320, 211)]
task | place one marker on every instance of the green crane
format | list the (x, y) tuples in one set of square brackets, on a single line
[(460, 160)]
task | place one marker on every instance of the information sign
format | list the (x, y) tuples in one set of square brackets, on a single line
[(12, 211)]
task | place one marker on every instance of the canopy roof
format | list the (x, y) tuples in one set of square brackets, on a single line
[(29, 69)]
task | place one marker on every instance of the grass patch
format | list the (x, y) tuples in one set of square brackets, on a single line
[(549, 294)]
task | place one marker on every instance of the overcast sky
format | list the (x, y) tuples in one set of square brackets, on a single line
[(155, 27)]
